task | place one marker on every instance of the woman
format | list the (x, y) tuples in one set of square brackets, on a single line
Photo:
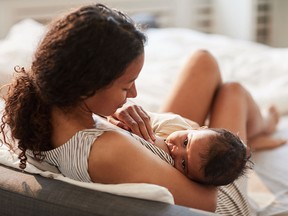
[(87, 64)]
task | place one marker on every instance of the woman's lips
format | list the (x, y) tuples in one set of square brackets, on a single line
[(121, 105)]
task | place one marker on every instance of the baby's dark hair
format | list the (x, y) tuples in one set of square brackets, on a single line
[(81, 53), (226, 159)]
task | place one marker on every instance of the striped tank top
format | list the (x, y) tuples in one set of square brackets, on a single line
[(231, 199), (77, 151)]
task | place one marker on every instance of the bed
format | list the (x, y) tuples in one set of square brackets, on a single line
[(262, 69)]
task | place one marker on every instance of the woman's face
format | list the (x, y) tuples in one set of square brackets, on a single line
[(107, 100), (186, 147)]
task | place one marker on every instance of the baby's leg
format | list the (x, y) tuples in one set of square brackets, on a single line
[(195, 88)]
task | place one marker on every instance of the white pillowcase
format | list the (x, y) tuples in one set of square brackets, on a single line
[(18, 47)]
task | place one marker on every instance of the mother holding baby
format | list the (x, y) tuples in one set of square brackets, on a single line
[(82, 74)]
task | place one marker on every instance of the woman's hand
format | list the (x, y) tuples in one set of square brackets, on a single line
[(133, 118)]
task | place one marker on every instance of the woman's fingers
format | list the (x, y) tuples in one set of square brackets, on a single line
[(143, 124), (118, 123), (136, 119)]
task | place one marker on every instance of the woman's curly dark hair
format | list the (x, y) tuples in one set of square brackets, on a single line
[(82, 52)]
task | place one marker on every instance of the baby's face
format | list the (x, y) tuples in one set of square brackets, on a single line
[(186, 147)]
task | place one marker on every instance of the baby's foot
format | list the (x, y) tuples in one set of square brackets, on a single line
[(271, 120)]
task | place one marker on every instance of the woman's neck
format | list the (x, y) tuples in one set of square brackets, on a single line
[(67, 122)]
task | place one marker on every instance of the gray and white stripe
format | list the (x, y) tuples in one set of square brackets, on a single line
[(157, 151), (232, 199), (72, 158)]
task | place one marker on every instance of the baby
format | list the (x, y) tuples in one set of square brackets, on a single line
[(205, 155)]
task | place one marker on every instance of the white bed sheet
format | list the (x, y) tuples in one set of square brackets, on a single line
[(262, 69), (268, 184)]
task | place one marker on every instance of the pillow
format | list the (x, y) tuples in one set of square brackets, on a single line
[(18, 47)]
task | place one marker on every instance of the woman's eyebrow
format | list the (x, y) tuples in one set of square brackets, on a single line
[(132, 80)]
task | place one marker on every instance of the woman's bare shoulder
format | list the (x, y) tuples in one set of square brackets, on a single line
[(117, 158), (113, 154)]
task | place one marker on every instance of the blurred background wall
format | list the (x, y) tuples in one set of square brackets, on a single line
[(263, 21)]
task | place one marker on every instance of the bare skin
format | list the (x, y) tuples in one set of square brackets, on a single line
[(193, 92), (246, 118), (265, 140), (271, 119)]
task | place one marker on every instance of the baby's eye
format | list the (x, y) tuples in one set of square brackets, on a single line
[(183, 163), (185, 142)]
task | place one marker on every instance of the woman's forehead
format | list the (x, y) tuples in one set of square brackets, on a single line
[(132, 71)]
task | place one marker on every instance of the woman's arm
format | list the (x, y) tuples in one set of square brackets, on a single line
[(117, 158)]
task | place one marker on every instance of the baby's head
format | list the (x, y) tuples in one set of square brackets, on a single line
[(209, 155)]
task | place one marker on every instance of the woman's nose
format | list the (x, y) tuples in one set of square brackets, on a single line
[(132, 93)]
